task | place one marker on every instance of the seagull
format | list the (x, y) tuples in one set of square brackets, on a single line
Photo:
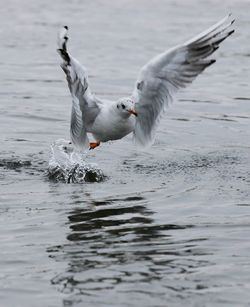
[(157, 83)]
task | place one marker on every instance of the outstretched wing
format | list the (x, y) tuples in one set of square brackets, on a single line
[(84, 105), (161, 77)]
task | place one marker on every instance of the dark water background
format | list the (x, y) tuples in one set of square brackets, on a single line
[(167, 227)]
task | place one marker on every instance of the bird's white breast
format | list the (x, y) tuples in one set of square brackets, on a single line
[(110, 126)]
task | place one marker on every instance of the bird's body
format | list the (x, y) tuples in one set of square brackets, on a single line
[(109, 125), (157, 83)]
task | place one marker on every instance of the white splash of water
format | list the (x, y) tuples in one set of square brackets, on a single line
[(69, 166)]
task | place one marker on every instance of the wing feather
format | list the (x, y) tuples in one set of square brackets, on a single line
[(85, 106), (161, 77)]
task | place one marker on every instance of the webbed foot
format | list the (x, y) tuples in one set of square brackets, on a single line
[(94, 145)]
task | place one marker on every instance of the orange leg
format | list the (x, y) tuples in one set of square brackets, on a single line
[(93, 145)]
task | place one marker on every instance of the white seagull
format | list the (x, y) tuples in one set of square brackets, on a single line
[(157, 83)]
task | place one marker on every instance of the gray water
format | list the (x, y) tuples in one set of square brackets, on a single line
[(163, 227)]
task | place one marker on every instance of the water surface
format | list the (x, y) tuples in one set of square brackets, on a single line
[(165, 227)]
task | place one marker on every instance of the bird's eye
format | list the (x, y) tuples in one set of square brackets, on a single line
[(123, 106)]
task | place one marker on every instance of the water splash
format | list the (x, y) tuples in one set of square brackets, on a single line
[(68, 165)]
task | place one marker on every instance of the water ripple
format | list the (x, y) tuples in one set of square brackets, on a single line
[(120, 243)]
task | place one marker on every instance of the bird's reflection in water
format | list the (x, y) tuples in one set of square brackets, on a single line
[(116, 245)]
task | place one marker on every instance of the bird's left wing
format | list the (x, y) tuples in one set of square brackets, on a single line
[(85, 106), (161, 77)]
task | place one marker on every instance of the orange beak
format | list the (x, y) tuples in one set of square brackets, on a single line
[(131, 111)]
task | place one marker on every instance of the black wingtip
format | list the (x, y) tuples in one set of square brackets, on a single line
[(212, 62), (66, 27)]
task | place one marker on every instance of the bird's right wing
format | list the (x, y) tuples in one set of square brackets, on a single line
[(85, 106)]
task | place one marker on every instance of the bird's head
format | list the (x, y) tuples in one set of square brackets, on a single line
[(126, 107)]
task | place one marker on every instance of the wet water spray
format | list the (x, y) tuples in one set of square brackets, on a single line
[(70, 166)]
